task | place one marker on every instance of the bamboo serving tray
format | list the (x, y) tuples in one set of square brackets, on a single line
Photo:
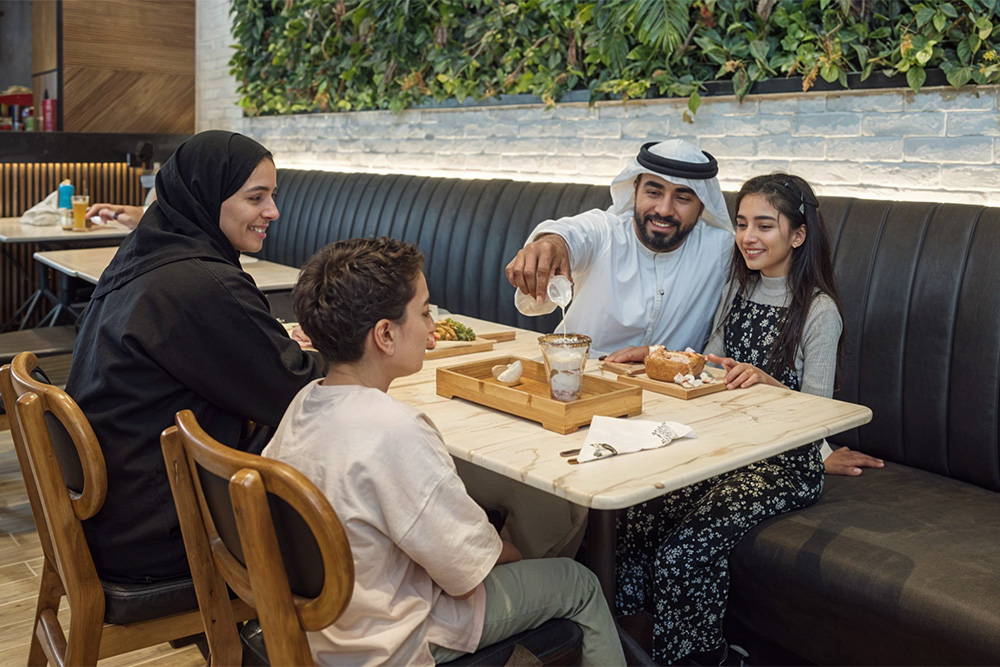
[(530, 399), (453, 348), (674, 389)]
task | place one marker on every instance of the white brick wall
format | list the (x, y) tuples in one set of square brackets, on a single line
[(940, 145), (215, 88)]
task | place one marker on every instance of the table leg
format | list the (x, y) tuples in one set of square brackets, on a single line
[(27, 308), (45, 291), (601, 536), (68, 298)]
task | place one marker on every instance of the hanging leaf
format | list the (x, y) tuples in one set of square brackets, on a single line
[(958, 76), (694, 102), (967, 48), (940, 21), (915, 78), (741, 83), (984, 27), (758, 49)]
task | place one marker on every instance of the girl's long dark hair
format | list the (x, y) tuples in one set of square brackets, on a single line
[(811, 270)]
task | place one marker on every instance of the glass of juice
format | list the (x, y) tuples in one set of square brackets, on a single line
[(80, 205)]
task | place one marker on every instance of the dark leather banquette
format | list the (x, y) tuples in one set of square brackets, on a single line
[(898, 566), (468, 229)]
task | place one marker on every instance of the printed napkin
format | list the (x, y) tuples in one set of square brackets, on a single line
[(610, 436)]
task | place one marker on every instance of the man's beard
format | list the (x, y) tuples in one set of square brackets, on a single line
[(658, 241)]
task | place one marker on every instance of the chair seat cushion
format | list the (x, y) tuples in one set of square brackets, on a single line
[(133, 603), (898, 566), (555, 642)]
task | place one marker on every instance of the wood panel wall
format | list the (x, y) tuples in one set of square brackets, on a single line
[(24, 185), (128, 66), (44, 53), (44, 35)]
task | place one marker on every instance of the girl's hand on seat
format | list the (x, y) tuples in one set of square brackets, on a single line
[(846, 461), (740, 375)]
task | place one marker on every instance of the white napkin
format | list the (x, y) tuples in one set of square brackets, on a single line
[(45, 212), (609, 436)]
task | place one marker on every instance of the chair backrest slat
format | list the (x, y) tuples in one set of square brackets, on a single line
[(282, 528), (66, 433), (10, 397), (42, 411)]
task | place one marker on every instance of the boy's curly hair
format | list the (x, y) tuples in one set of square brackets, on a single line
[(348, 286)]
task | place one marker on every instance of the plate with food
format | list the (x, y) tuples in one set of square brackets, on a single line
[(452, 338), (678, 374)]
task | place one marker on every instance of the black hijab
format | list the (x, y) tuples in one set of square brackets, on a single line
[(183, 222)]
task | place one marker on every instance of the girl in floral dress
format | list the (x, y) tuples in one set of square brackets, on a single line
[(778, 323)]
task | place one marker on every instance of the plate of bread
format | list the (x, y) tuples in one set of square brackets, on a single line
[(678, 374)]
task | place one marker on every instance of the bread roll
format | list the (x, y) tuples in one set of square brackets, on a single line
[(663, 364)]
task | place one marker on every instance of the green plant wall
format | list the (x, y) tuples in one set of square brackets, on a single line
[(295, 56)]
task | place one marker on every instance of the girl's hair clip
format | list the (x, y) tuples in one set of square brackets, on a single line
[(802, 198)]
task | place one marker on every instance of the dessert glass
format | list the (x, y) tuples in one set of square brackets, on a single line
[(565, 355)]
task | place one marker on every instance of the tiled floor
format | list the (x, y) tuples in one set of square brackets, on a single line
[(20, 564)]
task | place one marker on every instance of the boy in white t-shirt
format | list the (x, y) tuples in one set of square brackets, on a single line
[(433, 580)]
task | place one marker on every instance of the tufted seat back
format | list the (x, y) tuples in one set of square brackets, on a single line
[(468, 229), (918, 283), (897, 566), (922, 332)]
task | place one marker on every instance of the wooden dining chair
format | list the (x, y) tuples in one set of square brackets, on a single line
[(276, 541), (66, 482), (271, 534)]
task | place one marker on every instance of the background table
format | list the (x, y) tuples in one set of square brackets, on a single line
[(89, 263), (12, 231), (15, 235), (733, 428)]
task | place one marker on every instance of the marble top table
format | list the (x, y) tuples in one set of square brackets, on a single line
[(89, 263), (12, 231), (733, 428)]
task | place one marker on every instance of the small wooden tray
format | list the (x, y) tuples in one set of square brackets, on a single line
[(674, 389), (499, 336), (632, 368), (92, 227), (530, 399), (453, 348)]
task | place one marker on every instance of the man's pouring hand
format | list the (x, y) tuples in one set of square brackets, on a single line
[(536, 263)]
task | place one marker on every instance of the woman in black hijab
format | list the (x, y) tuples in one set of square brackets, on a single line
[(174, 324)]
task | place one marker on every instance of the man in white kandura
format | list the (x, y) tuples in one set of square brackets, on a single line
[(650, 269)]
